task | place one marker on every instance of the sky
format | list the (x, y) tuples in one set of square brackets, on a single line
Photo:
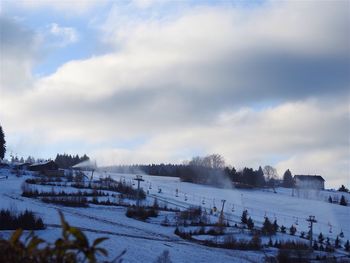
[(150, 81)]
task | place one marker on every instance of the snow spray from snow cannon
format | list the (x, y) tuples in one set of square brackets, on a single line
[(87, 165)]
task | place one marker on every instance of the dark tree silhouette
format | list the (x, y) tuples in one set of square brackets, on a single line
[(343, 189), (2, 144), (288, 179), (343, 201), (66, 161)]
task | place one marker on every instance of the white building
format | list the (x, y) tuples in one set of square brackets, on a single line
[(309, 182)]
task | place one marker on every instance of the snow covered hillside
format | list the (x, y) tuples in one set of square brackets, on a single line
[(147, 240)]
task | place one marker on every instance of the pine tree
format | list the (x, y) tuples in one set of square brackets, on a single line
[(347, 245), (320, 238), (250, 223), (267, 227), (275, 226), (343, 201), (315, 246), (270, 244), (244, 217), (343, 189), (330, 200), (337, 242), (283, 229), (288, 179), (292, 230), (2, 144)]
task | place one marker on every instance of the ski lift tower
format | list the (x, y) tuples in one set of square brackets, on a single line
[(311, 220), (139, 179)]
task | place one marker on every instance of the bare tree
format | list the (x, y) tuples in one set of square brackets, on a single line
[(271, 176), (270, 173)]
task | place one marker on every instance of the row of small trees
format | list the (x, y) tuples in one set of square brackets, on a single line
[(342, 201)]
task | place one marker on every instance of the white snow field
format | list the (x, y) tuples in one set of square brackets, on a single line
[(145, 241)]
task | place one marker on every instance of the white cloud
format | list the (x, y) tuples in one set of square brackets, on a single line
[(79, 7), (191, 84), (63, 35)]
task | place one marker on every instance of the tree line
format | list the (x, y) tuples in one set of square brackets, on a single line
[(211, 170), (66, 161)]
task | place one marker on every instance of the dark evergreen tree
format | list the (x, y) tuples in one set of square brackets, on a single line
[(283, 229), (268, 228), (250, 223), (259, 179), (288, 180), (66, 161), (347, 245), (315, 246), (244, 217), (343, 201), (320, 238), (292, 230), (343, 189), (270, 244), (275, 226), (2, 144), (337, 242), (330, 200)]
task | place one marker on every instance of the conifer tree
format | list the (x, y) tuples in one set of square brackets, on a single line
[(2, 144)]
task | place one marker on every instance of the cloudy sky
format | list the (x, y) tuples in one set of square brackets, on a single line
[(144, 81)]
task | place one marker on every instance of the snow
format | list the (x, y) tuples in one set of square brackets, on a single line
[(147, 240)]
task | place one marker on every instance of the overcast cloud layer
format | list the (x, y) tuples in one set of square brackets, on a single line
[(263, 84)]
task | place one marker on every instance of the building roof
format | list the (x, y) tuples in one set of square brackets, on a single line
[(43, 163), (309, 177)]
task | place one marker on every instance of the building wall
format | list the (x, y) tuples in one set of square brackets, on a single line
[(310, 184)]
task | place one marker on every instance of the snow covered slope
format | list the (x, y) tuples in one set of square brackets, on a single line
[(146, 241)]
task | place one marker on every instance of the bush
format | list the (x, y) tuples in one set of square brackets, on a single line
[(73, 201), (73, 246), (25, 220), (164, 257), (141, 212), (192, 213)]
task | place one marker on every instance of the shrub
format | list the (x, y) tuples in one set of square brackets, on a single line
[(73, 201), (73, 246), (26, 220), (141, 212), (164, 257), (192, 213)]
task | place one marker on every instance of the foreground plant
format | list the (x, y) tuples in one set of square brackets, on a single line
[(73, 246)]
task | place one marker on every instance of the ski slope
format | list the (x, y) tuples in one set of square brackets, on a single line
[(147, 241), (283, 206)]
